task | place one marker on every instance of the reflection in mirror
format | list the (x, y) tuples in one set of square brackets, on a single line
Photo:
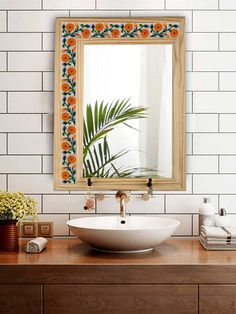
[(127, 106)]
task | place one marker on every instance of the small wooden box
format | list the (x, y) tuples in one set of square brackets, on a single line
[(28, 229), (45, 229)]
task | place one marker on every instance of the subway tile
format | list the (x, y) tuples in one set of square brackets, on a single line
[(48, 81), (135, 205), (214, 183), (3, 182), (202, 164), (201, 41), (3, 21), (214, 61), (30, 61), (35, 143), (63, 204), (130, 4), (214, 21), (188, 189), (20, 123), (20, 41), (214, 143), (227, 81), (48, 123), (185, 227), (59, 223), (11, 81), (188, 102), (200, 81), (37, 198), (3, 61), (47, 164), (227, 41), (232, 219), (187, 203), (49, 41), (191, 4), (68, 5), (100, 13), (20, 164), (3, 143), (201, 122), (32, 183), (189, 144), (188, 61), (21, 5), (214, 102), (229, 203), (227, 4), (33, 21), (3, 102), (228, 164), (153, 13), (30, 102), (228, 123)]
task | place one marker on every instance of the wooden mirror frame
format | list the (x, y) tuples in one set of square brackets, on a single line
[(71, 35)]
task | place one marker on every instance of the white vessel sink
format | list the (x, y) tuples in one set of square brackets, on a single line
[(123, 235)]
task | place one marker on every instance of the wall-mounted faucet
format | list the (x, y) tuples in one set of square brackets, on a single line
[(123, 198)]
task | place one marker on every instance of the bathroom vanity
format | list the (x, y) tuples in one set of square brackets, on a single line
[(68, 277)]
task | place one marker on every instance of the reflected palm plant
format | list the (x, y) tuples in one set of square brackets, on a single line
[(99, 120)]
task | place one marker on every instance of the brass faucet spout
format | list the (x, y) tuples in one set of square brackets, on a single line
[(123, 198)]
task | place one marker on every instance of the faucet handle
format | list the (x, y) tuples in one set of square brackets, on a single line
[(122, 195)]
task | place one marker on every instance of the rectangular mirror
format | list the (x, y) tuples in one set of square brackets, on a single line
[(119, 104)]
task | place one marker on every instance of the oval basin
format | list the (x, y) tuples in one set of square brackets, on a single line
[(123, 235)]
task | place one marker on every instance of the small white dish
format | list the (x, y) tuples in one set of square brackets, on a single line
[(131, 234)]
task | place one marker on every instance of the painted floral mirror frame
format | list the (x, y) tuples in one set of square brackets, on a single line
[(71, 34)]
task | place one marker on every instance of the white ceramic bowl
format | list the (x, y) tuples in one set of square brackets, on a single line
[(123, 235)]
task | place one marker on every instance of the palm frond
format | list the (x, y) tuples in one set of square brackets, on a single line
[(102, 119)]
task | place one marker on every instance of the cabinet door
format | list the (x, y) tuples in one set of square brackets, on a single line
[(166, 299), (217, 299), (20, 299)]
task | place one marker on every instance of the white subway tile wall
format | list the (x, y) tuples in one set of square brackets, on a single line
[(26, 106)]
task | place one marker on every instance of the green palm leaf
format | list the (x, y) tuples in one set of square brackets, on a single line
[(97, 123)]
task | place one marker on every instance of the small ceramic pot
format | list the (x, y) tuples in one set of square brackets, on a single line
[(9, 239)]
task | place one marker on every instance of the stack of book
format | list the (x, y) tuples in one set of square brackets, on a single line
[(218, 238)]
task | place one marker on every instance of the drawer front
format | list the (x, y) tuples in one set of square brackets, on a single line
[(20, 299), (217, 299), (166, 299)]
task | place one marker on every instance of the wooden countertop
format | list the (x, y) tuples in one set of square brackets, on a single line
[(70, 261), (74, 252)]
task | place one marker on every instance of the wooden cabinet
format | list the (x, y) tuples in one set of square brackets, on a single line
[(116, 299), (217, 299), (20, 299)]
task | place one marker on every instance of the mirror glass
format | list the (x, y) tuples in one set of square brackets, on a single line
[(127, 110)]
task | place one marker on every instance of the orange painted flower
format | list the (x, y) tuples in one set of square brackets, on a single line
[(71, 71), (71, 159), (65, 175), (86, 33), (115, 33), (145, 33), (128, 27), (71, 41), (70, 27), (71, 100), (174, 32), (71, 129), (158, 27), (99, 27), (65, 87), (65, 116), (65, 57), (65, 145)]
